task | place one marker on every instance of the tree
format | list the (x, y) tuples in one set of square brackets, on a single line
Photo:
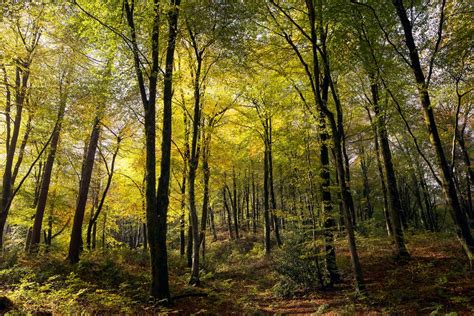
[(110, 173), (319, 63), (75, 243), (449, 188), (64, 83), (22, 63)]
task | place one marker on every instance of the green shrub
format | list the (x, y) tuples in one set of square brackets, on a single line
[(300, 265)]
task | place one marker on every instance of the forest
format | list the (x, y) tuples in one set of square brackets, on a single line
[(236, 157)]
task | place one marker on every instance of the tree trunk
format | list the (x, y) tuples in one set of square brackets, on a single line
[(326, 200), (227, 211), (366, 190), (110, 173), (359, 280), (276, 225), (21, 83), (193, 165), (182, 239), (388, 224), (469, 175), (48, 169), (189, 244), (254, 206), (337, 136), (213, 225), (94, 235), (104, 240), (393, 194), (95, 203), (206, 140), (266, 204), (234, 202), (75, 243), (145, 236), (50, 230)]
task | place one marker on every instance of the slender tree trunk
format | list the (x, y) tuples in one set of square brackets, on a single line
[(104, 240), (393, 194), (156, 200), (28, 238), (21, 151), (160, 283), (182, 238), (337, 131), (227, 211), (234, 203), (365, 177), (48, 169), (75, 243), (94, 235), (276, 224), (388, 223), (38, 177), (247, 202), (206, 139), (50, 230), (266, 202), (347, 173), (359, 280), (21, 83), (193, 165), (254, 206), (327, 205), (213, 225), (326, 200), (469, 175), (145, 237), (189, 244), (95, 202), (96, 211)]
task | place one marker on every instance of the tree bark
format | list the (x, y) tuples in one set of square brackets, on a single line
[(329, 223), (182, 239), (227, 211), (393, 194), (254, 206), (276, 224), (266, 202), (206, 147), (233, 199), (388, 223), (21, 83), (48, 169), (367, 212), (189, 243), (95, 213), (160, 282), (193, 165), (337, 136), (75, 243)]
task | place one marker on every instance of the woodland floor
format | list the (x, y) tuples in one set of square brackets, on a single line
[(437, 280)]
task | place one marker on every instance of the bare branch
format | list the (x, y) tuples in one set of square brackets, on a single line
[(385, 33), (438, 41)]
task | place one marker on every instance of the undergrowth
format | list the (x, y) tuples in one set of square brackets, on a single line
[(237, 276)]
